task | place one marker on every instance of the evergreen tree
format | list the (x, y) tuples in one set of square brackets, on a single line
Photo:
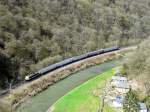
[(130, 102)]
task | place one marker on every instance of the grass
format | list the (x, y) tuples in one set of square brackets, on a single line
[(26, 91), (84, 98), (5, 106)]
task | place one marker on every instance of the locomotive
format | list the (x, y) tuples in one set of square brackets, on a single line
[(69, 61)]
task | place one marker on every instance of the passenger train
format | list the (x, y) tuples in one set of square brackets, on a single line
[(69, 61)]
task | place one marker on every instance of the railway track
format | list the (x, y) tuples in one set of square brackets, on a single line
[(68, 61), (6, 91)]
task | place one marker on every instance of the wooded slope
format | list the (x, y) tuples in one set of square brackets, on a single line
[(36, 33)]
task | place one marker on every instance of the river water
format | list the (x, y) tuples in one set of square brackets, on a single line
[(42, 101)]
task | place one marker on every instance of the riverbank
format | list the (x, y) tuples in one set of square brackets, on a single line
[(85, 98)]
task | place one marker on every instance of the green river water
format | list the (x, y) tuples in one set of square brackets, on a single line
[(42, 101)]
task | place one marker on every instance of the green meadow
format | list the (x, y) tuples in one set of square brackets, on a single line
[(85, 98)]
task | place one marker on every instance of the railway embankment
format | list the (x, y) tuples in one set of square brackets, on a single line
[(25, 91)]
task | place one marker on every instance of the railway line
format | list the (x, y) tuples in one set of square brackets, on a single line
[(63, 63), (74, 59)]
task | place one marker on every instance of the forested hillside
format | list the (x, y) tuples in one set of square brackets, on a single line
[(139, 69), (36, 33), (139, 65)]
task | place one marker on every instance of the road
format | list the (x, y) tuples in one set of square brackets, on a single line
[(45, 99)]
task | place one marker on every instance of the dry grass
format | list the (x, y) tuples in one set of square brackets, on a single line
[(5, 106), (30, 89)]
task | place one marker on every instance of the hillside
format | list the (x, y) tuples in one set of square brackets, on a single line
[(139, 70), (138, 65), (36, 33)]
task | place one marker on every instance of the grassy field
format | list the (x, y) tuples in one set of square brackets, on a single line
[(85, 98)]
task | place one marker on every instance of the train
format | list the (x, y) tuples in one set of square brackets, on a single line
[(68, 61)]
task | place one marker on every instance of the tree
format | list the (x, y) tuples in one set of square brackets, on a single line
[(2, 44), (33, 30), (6, 70), (138, 66), (147, 101), (130, 102)]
